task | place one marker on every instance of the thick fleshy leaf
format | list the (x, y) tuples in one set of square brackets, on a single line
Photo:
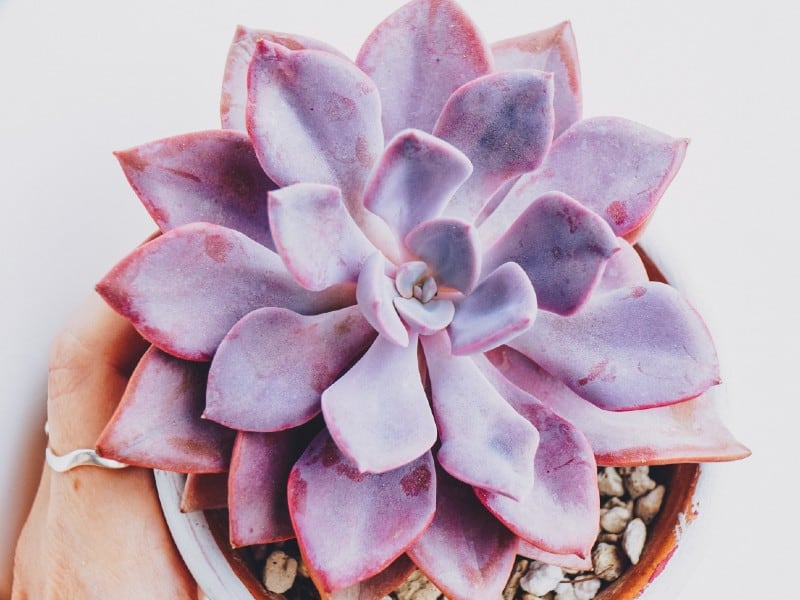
[(205, 491), (562, 512), (465, 551), (572, 562), (270, 371), (425, 318), (313, 117), (615, 167), (552, 50), (504, 123), (624, 269), (260, 466), (157, 423), (316, 237), (211, 176), (451, 248), (690, 431), (415, 178), (377, 586), (636, 347), (420, 55), (408, 276), (484, 442), (499, 309), (184, 290), (378, 411), (375, 294), (243, 46), (378, 515), (561, 245)]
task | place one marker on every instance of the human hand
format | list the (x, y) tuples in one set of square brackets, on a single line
[(95, 533)]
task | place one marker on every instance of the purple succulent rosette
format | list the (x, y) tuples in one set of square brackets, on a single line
[(394, 302)]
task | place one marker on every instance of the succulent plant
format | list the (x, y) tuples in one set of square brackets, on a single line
[(395, 306)]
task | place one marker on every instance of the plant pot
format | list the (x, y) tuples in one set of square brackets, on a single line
[(202, 536)]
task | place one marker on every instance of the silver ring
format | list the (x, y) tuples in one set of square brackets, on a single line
[(84, 457)]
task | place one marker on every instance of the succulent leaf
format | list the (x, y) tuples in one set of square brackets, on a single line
[(317, 239), (260, 467), (375, 294), (184, 290), (691, 431), (414, 179), (380, 515), (562, 512), (563, 248), (313, 117), (484, 442), (451, 248), (572, 562), (499, 309), (465, 551), (243, 46), (615, 167), (378, 411), (157, 423), (425, 318), (633, 348), (211, 176), (624, 269), (204, 491), (552, 50), (269, 372), (418, 56), (504, 123)]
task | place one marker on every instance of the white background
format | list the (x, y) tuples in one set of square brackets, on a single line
[(79, 79)]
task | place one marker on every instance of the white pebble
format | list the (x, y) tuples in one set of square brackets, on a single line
[(541, 578), (647, 506), (609, 482), (607, 561), (280, 571), (615, 519), (638, 481), (565, 591), (633, 539), (587, 589)]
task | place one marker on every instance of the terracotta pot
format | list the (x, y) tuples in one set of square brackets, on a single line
[(202, 537)]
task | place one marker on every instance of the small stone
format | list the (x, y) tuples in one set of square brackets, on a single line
[(647, 506), (633, 539), (587, 589), (541, 578), (417, 587), (638, 482), (565, 591), (609, 482), (615, 519), (608, 561), (280, 572), (520, 566)]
